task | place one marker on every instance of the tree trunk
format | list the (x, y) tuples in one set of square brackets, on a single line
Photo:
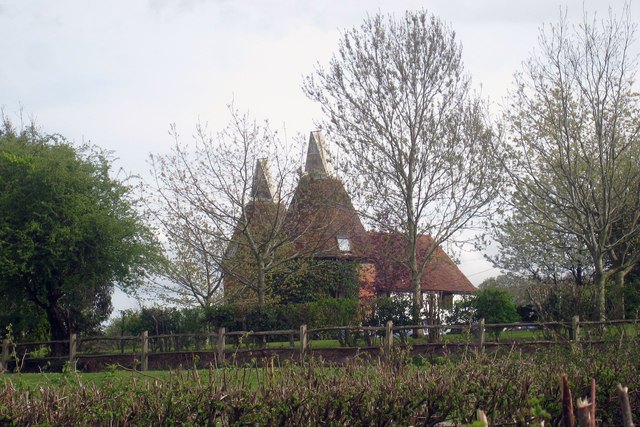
[(261, 297), (59, 329), (415, 279), (261, 284), (417, 305), (599, 281), (619, 286)]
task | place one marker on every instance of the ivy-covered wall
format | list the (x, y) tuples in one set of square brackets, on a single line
[(308, 280)]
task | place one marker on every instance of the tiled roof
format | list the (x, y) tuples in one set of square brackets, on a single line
[(320, 213), (440, 273)]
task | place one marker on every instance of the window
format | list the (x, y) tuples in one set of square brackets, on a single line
[(344, 244)]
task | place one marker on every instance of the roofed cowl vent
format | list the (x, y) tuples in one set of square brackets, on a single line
[(318, 162), (262, 186)]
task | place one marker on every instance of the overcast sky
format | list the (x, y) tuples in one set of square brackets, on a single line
[(117, 73)]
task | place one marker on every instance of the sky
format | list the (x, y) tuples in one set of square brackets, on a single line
[(118, 73)]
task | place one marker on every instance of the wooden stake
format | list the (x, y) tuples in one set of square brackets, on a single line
[(593, 402), (4, 361), (623, 395), (221, 344), (303, 340), (568, 419), (482, 418), (583, 410), (144, 356)]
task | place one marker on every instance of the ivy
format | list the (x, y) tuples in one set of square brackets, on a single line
[(308, 280)]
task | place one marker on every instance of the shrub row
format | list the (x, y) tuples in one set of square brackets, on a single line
[(238, 317), (515, 388)]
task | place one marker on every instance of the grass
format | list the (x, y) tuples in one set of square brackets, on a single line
[(34, 381), (57, 379)]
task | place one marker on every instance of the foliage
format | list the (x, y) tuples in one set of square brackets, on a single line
[(324, 312), (513, 284), (308, 280), (514, 388), (531, 251), (261, 318), (333, 311), (383, 309), (494, 305), (26, 320), (190, 272), (632, 299), (224, 316), (572, 148), (69, 232), (158, 321)]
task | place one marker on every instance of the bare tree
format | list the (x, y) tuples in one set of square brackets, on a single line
[(191, 270), (573, 148), (398, 104), (223, 209)]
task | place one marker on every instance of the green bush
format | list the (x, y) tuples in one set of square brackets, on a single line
[(225, 316), (384, 309), (494, 305), (333, 312), (304, 280)]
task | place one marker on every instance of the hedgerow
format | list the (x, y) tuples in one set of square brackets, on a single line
[(511, 388)]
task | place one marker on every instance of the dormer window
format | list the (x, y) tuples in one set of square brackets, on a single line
[(344, 244)]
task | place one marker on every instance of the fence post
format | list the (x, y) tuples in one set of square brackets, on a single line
[(4, 362), (221, 344), (303, 340), (575, 328), (388, 338), (72, 347), (482, 334), (145, 351)]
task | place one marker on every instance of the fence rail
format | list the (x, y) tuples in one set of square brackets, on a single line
[(221, 342)]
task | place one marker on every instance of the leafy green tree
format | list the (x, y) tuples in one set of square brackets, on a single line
[(225, 316), (69, 232), (531, 251), (572, 151), (632, 299)]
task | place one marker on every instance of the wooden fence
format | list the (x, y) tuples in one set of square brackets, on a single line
[(222, 343)]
